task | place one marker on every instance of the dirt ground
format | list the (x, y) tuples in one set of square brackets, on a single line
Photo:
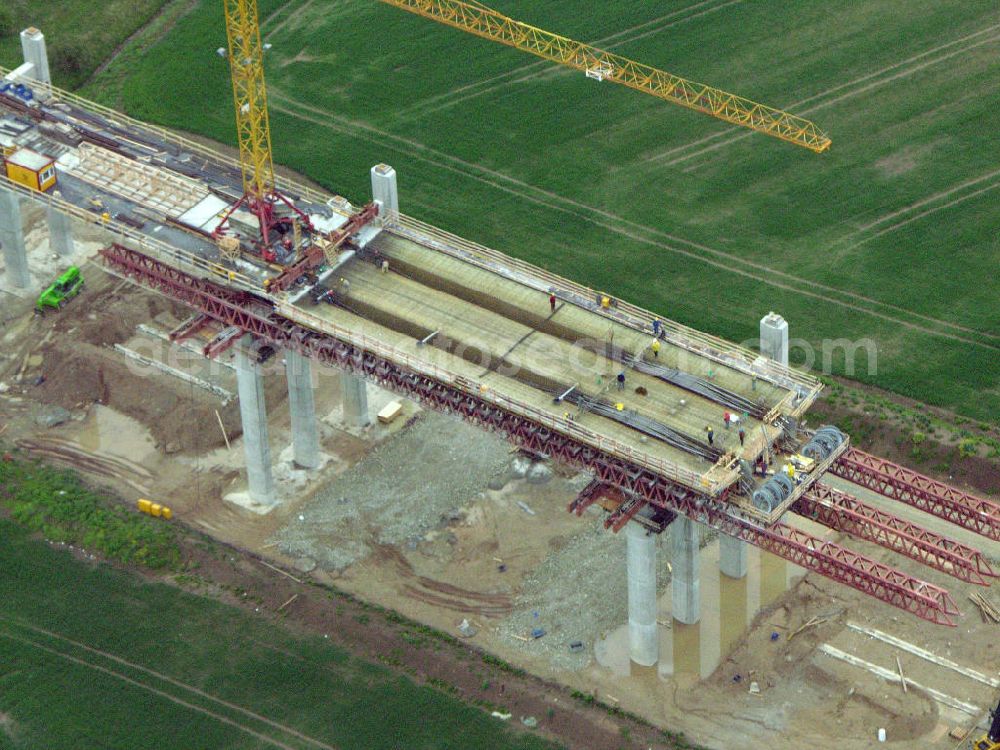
[(441, 523)]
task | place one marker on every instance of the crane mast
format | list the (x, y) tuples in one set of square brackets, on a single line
[(253, 130), (475, 18)]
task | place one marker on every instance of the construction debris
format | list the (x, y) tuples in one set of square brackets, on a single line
[(988, 610)]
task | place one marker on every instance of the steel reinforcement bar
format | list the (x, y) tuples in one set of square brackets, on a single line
[(922, 492), (436, 389), (843, 512)]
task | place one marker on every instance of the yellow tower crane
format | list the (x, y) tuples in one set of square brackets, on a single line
[(246, 62), (253, 130), (476, 18)]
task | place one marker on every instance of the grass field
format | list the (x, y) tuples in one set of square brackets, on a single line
[(891, 236), (94, 657), (79, 34)]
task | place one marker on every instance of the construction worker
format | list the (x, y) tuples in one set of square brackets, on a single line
[(621, 381), (711, 434), (655, 346), (743, 436), (726, 418), (656, 328), (552, 301)]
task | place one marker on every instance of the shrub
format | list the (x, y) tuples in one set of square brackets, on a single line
[(968, 447), (56, 503)]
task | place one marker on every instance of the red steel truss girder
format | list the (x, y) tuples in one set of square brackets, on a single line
[(587, 497), (617, 519), (929, 495), (189, 327), (256, 316), (843, 512)]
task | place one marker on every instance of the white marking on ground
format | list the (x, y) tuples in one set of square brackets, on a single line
[(924, 654), (892, 676)]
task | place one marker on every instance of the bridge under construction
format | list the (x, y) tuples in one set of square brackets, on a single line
[(676, 427)]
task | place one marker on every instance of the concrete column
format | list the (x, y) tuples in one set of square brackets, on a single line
[(60, 231), (384, 191), (253, 412), (33, 49), (302, 405), (643, 638), (355, 395), (686, 581), (12, 239), (774, 338), (732, 556), (773, 345), (733, 596)]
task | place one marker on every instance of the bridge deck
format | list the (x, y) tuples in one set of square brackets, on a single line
[(503, 334), (491, 312)]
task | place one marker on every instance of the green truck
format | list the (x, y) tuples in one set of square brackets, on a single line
[(67, 286)]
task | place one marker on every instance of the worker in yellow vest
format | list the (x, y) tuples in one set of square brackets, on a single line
[(655, 346)]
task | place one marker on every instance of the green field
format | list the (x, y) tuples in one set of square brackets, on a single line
[(93, 657), (79, 34), (891, 236)]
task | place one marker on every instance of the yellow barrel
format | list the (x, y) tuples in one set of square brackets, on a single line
[(167, 513), (144, 505), (156, 509)]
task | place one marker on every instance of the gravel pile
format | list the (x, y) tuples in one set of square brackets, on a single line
[(417, 481), (579, 593)]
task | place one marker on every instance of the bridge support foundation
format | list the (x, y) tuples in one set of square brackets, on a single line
[(253, 412), (354, 391), (643, 638), (686, 581), (12, 238), (60, 232), (302, 405)]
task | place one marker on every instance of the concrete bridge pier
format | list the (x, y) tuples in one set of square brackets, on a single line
[(60, 231), (253, 412), (732, 556), (385, 192), (774, 346), (33, 50), (686, 581), (302, 406), (643, 637), (12, 238), (354, 392)]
